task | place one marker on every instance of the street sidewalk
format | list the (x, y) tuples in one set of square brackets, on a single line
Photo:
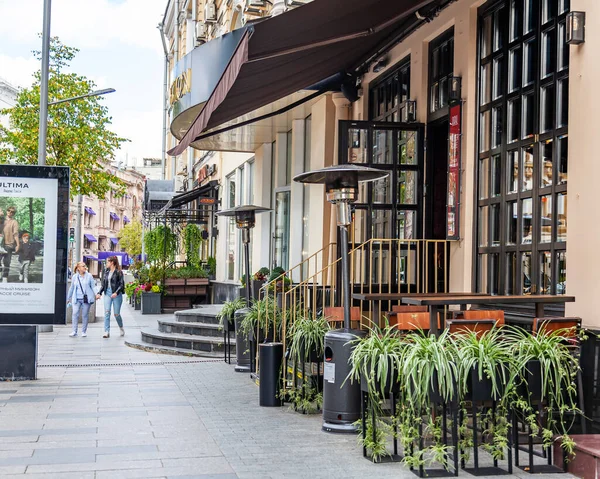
[(100, 409)]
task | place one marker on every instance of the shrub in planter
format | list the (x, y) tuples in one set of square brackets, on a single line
[(226, 314), (264, 316)]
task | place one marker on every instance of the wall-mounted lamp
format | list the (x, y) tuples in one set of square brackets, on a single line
[(409, 112), (575, 28), (455, 89)]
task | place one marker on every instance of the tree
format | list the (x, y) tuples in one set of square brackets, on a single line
[(130, 238), (78, 134)]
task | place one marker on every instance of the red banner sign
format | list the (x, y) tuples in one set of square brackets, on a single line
[(452, 203)]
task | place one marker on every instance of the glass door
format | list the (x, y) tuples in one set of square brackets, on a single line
[(282, 229)]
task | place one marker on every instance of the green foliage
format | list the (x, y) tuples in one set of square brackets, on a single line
[(29, 214), (186, 272), (261, 275), (155, 288), (276, 273), (130, 238), (263, 314), (308, 335), (78, 130), (130, 288), (192, 240), (161, 244), (228, 310), (211, 266), (375, 441)]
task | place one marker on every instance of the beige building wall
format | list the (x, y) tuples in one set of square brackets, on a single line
[(583, 227)]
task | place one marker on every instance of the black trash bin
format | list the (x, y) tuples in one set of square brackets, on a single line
[(270, 357), (242, 345)]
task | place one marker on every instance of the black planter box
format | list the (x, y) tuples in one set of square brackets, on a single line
[(481, 389), (392, 383), (228, 325), (435, 395), (151, 303)]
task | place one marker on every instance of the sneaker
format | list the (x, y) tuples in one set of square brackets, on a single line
[(106, 334), (122, 331), (73, 334), (84, 335), (20, 277)]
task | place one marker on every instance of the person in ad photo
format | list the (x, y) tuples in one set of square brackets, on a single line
[(21, 239)]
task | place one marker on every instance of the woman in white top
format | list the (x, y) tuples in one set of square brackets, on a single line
[(81, 295)]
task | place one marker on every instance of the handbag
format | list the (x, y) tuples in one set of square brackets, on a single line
[(85, 297)]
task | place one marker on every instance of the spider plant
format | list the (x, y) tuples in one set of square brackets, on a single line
[(228, 310), (264, 314), (484, 358), (308, 337), (430, 366), (546, 357)]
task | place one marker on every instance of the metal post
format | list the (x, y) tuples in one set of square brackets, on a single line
[(78, 229), (345, 275), (246, 241), (43, 126)]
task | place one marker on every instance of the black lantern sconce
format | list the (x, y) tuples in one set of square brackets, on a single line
[(409, 112), (455, 92), (575, 28)]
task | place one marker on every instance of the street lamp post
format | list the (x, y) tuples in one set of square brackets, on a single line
[(341, 399), (245, 219), (44, 84)]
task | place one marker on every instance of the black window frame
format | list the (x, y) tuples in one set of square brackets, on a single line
[(446, 39)]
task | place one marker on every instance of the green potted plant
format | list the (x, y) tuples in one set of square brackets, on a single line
[(226, 315), (263, 316), (130, 290), (211, 267), (258, 279)]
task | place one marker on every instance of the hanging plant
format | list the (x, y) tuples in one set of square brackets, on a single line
[(192, 239), (161, 244)]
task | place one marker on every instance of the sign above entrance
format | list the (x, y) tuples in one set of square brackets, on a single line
[(206, 172), (454, 163)]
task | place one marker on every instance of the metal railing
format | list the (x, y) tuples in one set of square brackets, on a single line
[(376, 266)]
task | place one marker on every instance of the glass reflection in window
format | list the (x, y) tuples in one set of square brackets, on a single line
[(528, 54), (494, 273), (513, 171), (546, 170), (528, 13), (561, 272), (381, 223), (527, 182), (526, 273), (528, 116), (407, 149), (496, 175), (547, 108), (484, 131), (484, 178), (511, 273), (526, 221), (548, 53), (511, 222), (515, 21), (357, 147), (561, 217), (407, 221), (514, 69), (407, 187), (382, 147), (498, 83), (514, 119), (562, 47), (545, 272), (548, 10), (562, 159), (496, 126), (495, 223), (381, 190), (563, 102), (546, 219), (483, 273), (486, 83), (484, 225)]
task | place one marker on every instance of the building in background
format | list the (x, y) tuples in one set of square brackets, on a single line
[(8, 98), (151, 168), (103, 218)]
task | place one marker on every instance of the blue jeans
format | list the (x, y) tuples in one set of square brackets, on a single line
[(80, 306), (116, 305)]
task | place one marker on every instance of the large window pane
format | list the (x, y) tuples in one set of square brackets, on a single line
[(562, 47), (514, 69), (495, 224), (526, 273), (561, 217), (408, 144), (498, 31), (484, 131), (563, 6), (515, 20), (528, 116), (486, 83), (482, 277), (484, 178), (563, 103), (496, 181), (282, 229), (548, 10), (514, 119), (527, 168), (288, 159), (511, 274), (382, 147), (513, 171), (545, 273), (483, 225), (511, 222), (357, 147), (486, 37), (547, 110), (494, 273), (548, 53), (528, 14), (498, 83), (382, 192), (562, 159), (381, 223), (561, 271), (528, 55), (407, 187), (407, 221), (546, 219), (546, 169), (497, 126), (526, 221)]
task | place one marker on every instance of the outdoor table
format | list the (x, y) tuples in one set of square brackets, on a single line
[(435, 302), (377, 298)]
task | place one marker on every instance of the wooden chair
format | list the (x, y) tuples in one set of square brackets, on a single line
[(410, 321), (335, 314), (478, 326), (476, 314), (551, 323), (407, 308)]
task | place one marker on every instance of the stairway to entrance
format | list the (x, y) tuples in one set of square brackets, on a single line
[(191, 332)]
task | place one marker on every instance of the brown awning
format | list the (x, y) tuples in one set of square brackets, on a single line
[(300, 48)]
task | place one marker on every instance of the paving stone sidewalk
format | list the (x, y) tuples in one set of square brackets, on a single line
[(102, 410)]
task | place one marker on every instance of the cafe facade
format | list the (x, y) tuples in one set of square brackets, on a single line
[(481, 112)]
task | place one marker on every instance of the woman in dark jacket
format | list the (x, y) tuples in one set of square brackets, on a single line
[(113, 286)]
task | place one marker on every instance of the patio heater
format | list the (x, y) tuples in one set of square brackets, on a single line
[(245, 218), (341, 400)]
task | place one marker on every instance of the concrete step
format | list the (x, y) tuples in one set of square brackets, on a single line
[(193, 328), (205, 314), (205, 344), (154, 348)]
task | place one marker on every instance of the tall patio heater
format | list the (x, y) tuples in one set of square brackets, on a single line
[(245, 218), (341, 401)]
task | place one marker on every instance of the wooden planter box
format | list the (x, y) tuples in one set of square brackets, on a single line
[(151, 303), (174, 282)]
